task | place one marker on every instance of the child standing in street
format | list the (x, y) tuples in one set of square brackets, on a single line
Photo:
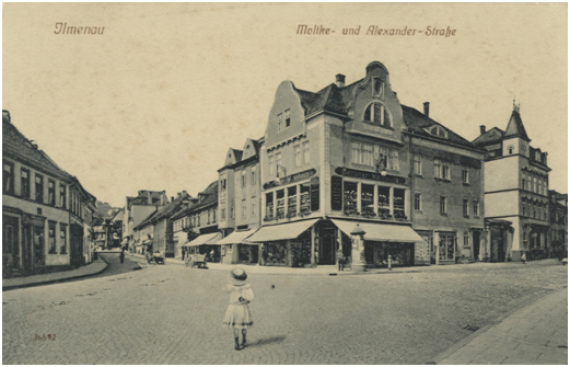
[(238, 315)]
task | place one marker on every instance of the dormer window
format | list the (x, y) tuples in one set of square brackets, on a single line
[(378, 88), (377, 114), (438, 131)]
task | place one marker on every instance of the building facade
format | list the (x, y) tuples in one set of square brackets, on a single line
[(44, 209), (139, 208), (516, 191), (558, 220)]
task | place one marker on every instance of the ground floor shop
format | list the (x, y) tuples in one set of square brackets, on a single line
[(206, 245)]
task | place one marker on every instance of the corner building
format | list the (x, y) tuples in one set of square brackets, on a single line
[(336, 170)]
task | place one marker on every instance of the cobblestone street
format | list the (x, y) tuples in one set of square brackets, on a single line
[(172, 315)]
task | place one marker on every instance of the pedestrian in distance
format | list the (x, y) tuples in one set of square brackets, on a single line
[(523, 257), (238, 316), (341, 259), (122, 255)]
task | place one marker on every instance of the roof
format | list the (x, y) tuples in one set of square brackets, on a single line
[(492, 136), (180, 202), (207, 198), (515, 128), (142, 198), (330, 99), (146, 221), (238, 154), (417, 122)]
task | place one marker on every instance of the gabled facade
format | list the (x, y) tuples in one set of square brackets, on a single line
[(139, 208), (516, 190), (163, 228)]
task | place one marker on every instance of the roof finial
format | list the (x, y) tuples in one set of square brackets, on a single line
[(516, 107)]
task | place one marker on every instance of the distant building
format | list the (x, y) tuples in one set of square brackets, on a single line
[(558, 220), (46, 213), (139, 208), (516, 191)]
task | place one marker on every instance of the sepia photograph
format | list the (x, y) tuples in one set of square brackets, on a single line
[(285, 183)]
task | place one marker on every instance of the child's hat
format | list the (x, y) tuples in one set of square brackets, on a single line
[(239, 276)]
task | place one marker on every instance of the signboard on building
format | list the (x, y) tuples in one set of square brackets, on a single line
[(347, 172)]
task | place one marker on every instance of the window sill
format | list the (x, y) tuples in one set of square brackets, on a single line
[(465, 216), (378, 125), (446, 180), (418, 211), (443, 214), (419, 176), (466, 184)]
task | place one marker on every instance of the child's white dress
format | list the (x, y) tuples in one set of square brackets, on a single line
[(238, 314)]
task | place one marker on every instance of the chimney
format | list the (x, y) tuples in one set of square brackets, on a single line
[(171, 198), (178, 194), (426, 109), (482, 129), (340, 80), (184, 192), (6, 115)]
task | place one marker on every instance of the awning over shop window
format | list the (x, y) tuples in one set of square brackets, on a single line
[(235, 237), (278, 232), (205, 239), (380, 231)]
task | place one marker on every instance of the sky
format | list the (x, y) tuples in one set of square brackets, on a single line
[(156, 100)]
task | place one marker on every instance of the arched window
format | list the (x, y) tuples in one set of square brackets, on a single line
[(377, 114), (438, 131)]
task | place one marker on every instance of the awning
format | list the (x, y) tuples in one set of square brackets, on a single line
[(147, 242), (235, 237), (124, 242), (380, 231), (204, 239), (278, 232)]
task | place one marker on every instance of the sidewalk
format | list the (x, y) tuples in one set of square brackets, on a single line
[(96, 267), (333, 269), (535, 334)]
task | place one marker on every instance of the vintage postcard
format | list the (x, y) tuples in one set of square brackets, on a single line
[(284, 183)]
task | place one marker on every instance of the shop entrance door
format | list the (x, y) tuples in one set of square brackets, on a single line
[(476, 243), (327, 253), (27, 249)]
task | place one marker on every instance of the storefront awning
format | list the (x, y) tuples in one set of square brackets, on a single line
[(235, 237), (204, 239), (380, 231), (285, 231)]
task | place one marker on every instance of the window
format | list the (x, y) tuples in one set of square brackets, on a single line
[(418, 202), (63, 238), (272, 165), (524, 184), (243, 178), (465, 176), (466, 208), (214, 215), (465, 239), (378, 88), (355, 148), (253, 207), (287, 118), (393, 162), (399, 203), (279, 122), (418, 164), (298, 158), (376, 113), (253, 175), (446, 246), (306, 152), (367, 199), (350, 197), (366, 154), (443, 205), (62, 196), (8, 178), (476, 208), (437, 168), (51, 238), (39, 188), (51, 192), (223, 214), (383, 201), (269, 205), (292, 201), (438, 131), (222, 183), (243, 209), (280, 204), (279, 168), (25, 179), (209, 216), (511, 149), (445, 171)]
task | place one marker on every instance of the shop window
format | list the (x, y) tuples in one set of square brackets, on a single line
[(9, 235), (8, 178), (367, 200), (443, 205), (377, 114), (350, 198), (25, 183), (51, 238), (306, 152), (292, 201), (399, 203), (280, 204), (465, 208), (269, 205), (276, 253), (383, 201), (51, 192), (39, 188), (63, 238), (62, 195), (446, 247), (418, 164), (39, 246), (418, 202), (305, 199)]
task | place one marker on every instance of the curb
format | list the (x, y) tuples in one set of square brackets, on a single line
[(519, 304), (53, 281)]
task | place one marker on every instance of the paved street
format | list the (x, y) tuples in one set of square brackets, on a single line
[(172, 315)]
